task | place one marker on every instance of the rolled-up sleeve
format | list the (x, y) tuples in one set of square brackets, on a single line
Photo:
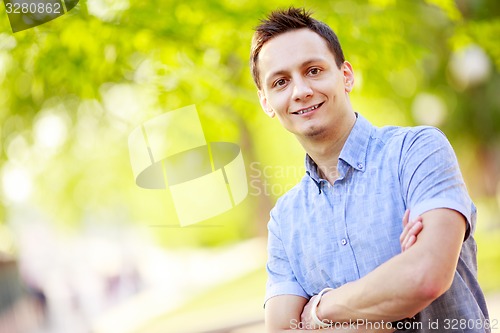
[(431, 178), (280, 277)]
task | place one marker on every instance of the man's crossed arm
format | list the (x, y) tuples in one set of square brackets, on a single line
[(397, 289)]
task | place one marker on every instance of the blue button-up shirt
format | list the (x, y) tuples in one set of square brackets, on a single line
[(325, 236)]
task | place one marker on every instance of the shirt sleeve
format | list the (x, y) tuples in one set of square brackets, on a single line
[(431, 178), (280, 277)]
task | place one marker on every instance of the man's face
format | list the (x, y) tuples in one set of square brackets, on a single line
[(302, 85)]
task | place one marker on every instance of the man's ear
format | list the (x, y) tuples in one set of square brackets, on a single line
[(348, 76), (265, 106)]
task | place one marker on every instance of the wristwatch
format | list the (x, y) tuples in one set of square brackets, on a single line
[(314, 308)]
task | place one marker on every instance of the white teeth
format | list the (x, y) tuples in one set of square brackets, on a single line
[(308, 109)]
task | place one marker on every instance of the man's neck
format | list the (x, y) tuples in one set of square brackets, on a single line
[(325, 152)]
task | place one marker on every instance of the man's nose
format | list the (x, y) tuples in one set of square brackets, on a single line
[(301, 90)]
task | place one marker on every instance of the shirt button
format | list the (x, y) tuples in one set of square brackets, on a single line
[(343, 241), (360, 165)]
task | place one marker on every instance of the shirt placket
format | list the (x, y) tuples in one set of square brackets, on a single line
[(346, 259)]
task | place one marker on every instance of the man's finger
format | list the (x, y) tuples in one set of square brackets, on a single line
[(406, 217), (410, 242), (413, 229)]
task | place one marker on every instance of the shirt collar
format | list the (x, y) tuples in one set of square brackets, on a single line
[(356, 147), (354, 150)]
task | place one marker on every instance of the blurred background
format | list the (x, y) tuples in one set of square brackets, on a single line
[(84, 249)]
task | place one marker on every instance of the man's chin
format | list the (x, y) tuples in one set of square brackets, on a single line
[(314, 132)]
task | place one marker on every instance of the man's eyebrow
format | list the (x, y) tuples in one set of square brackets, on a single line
[(283, 71)]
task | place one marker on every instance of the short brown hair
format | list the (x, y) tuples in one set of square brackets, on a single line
[(284, 20)]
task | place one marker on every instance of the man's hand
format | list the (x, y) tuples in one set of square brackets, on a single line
[(306, 316), (410, 231)]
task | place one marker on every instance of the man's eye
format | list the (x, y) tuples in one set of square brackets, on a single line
[(314, 71), (279, 83)]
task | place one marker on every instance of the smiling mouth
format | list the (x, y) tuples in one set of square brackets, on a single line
[(309, 109)]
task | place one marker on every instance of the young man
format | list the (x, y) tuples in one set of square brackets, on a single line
[(337, 233)]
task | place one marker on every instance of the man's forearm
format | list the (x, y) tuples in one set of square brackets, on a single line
[(388, 293)]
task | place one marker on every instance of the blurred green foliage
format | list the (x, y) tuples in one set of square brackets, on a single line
[(107, 66)]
